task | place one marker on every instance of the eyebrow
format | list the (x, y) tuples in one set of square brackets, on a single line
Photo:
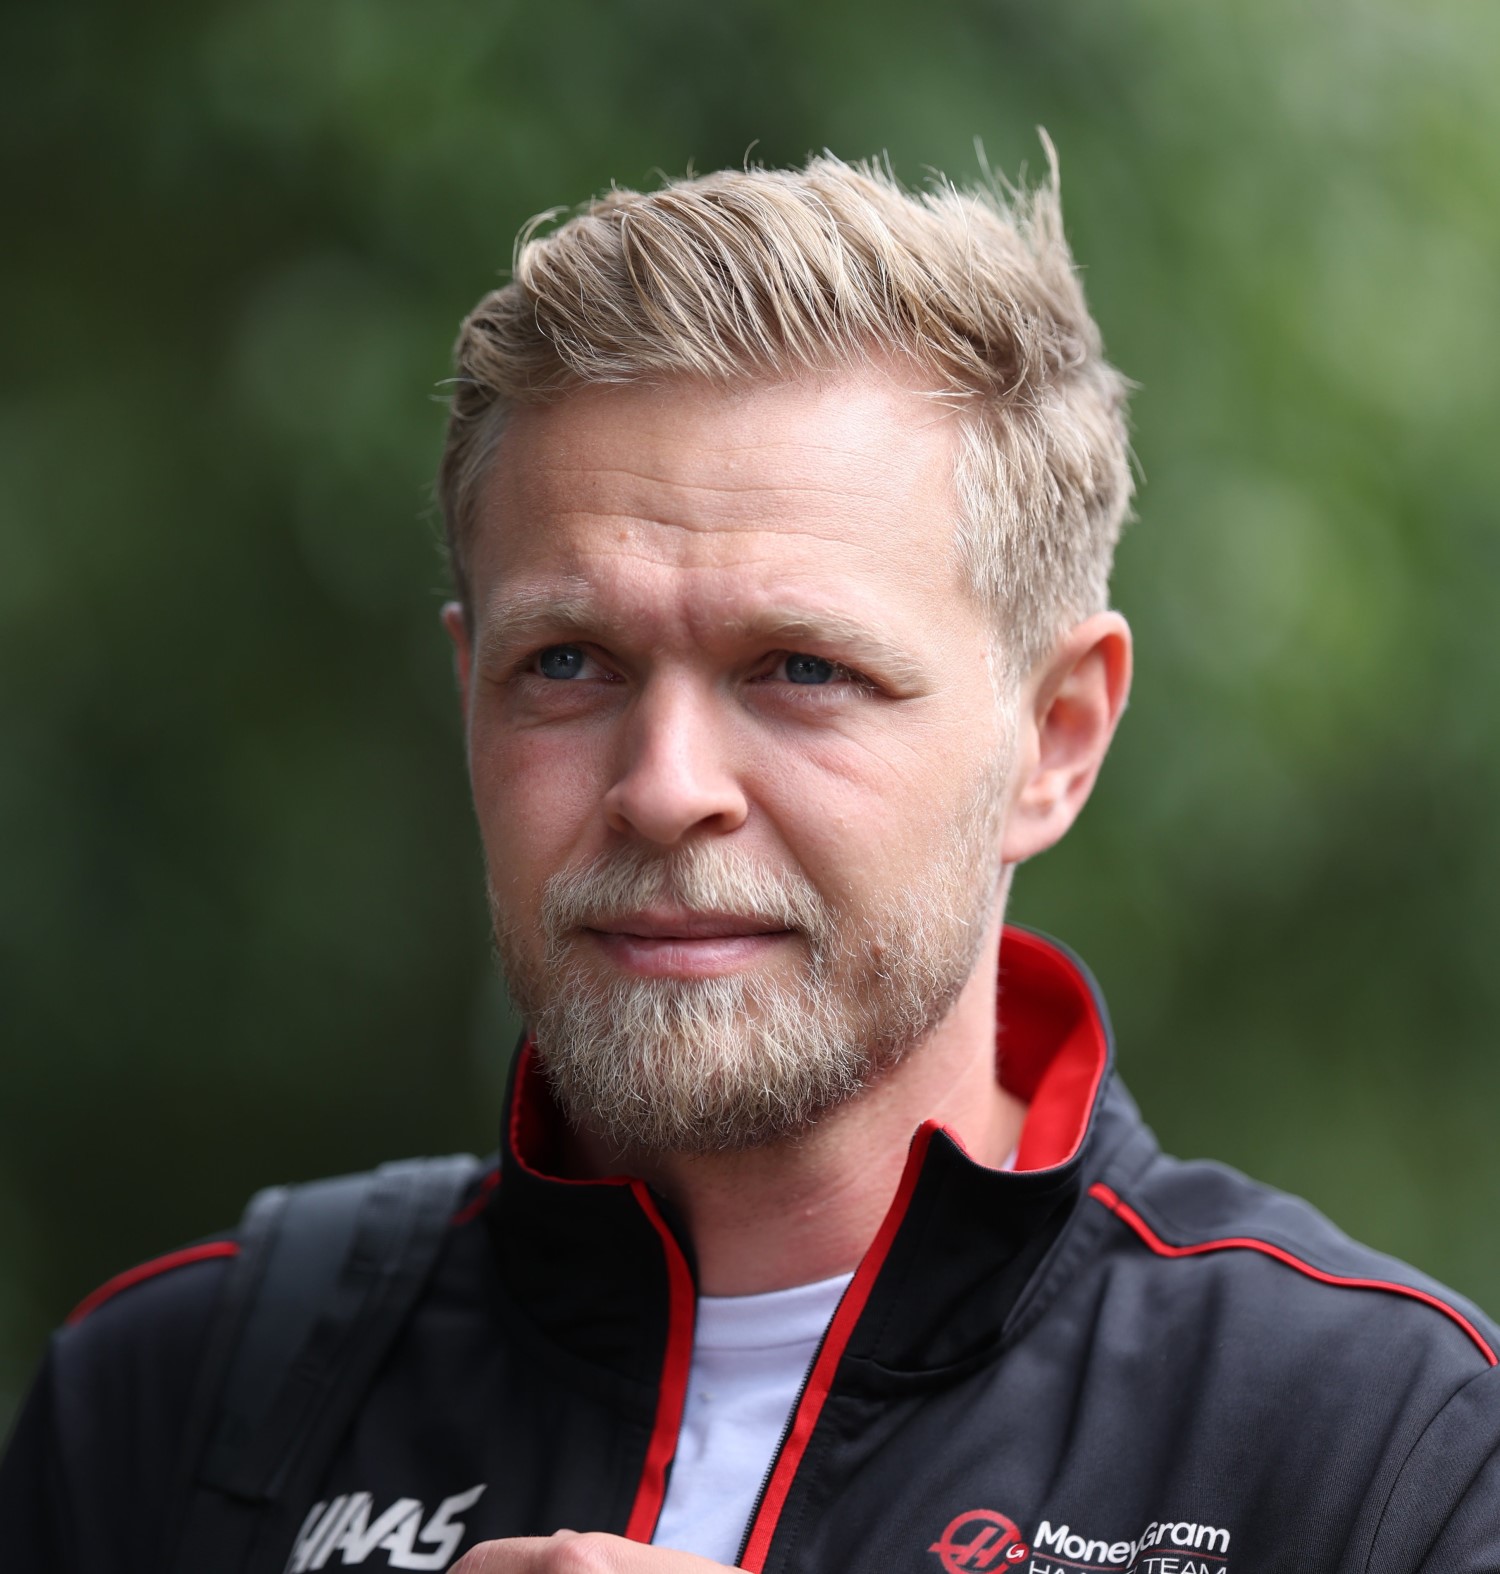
[(861, 643), (513, 621)]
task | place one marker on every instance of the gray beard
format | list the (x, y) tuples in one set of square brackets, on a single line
[(740, 1061)]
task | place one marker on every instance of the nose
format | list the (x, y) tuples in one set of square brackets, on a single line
[(674, 776)]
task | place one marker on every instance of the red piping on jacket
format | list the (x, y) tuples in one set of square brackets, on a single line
[(149, 1270), (1123, 1211), (676, 1364), (820, 1379), (682, 1305), (212, 1249), (475, 1205)]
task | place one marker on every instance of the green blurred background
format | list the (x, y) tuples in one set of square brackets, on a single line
[(241, 930)]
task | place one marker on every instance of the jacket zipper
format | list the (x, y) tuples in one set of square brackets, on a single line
[(666, 1430), (805, 1413), (786, 1432)]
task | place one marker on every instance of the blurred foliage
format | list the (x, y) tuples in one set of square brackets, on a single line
[(241, 934)]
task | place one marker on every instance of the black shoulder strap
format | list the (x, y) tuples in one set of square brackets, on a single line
[(326, 1275)]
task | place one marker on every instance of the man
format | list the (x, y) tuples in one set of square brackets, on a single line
[(781, 509)]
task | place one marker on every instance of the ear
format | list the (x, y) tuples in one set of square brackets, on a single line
[(457, 626), (1069, 708)]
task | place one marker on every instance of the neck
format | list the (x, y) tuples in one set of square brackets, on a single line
[(807, 1209)]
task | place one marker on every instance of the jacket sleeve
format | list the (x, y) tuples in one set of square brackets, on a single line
[(1443, 1514), (33, 1514), (88, 1480)]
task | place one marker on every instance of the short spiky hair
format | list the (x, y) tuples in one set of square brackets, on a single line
[(765, 274)]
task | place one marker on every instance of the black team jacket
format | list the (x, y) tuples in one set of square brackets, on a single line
[(1105, 1360)]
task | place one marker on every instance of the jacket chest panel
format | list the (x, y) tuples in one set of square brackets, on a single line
[(1084, 1468)]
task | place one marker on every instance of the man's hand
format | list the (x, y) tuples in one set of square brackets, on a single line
[(568, 1552)]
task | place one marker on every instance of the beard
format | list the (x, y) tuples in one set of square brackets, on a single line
[(743, 1060)]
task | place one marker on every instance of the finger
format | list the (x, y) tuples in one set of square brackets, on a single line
[(569, 1552), (514, 1555)]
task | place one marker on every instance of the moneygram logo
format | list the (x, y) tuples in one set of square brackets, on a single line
[(980, 1539), (1163, 1547)]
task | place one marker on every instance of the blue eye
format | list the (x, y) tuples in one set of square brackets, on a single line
[(810, 669), (560, 661)]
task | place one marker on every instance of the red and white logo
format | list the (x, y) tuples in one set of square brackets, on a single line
[(980, 1539)]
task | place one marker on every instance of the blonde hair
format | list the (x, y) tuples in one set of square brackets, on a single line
[(765, 274)]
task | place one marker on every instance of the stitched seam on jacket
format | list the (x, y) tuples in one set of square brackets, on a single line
[(1396, 1481)]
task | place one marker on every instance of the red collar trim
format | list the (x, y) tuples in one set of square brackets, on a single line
[(536, 1126), (1053, 1045)]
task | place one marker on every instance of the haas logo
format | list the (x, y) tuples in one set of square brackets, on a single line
[(980, 1539)]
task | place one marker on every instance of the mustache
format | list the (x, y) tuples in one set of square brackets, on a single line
[(703, 878)]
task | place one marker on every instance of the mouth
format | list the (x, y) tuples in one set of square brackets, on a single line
[(676, 944)]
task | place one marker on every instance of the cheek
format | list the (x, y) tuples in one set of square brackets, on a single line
[(865, 824), (855, 831), (535, 797)]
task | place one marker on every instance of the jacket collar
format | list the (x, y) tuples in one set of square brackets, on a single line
[(955, 1264)]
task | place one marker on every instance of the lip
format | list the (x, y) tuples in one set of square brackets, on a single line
[(661, 924), (663, 944)]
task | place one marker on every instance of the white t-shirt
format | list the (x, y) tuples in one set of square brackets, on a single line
[(750, 1354)]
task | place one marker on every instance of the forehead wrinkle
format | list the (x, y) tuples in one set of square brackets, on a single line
[(633, 540), (624, 491)]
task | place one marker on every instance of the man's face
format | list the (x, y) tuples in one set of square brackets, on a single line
[(737, 758)]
